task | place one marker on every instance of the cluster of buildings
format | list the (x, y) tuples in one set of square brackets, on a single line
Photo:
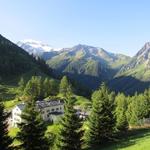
[(51, 111)]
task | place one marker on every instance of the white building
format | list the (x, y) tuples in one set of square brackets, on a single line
[(50, 110), (16, 114)]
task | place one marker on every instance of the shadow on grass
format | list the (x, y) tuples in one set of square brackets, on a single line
[(127, 139)]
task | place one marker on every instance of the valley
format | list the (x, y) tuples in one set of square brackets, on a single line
[(88, 64), (66, 75), (74, 75)]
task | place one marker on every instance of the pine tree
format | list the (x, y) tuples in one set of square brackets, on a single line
[(120, 112), (5, 140), (101, 120), (137, 109), (40, 87), (21, 85), (50, 87), (131, 115), (64, 83), (70, 135), (32, 129), (147, 99), (54, 87), (46, 87), (33, 89)]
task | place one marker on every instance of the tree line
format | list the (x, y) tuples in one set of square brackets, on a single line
[(110, 115), (37, 88)]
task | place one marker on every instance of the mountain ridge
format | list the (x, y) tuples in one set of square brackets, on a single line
[(139, 63), (89, 66), (34, 47), (134, 76), (15, 62)]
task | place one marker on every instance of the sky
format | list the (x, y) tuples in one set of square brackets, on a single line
[(120, 26)]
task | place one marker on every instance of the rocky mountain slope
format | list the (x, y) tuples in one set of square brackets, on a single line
[(139, 66), (88, 65), (134, 76)]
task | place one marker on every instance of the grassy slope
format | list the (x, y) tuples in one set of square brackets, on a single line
[(137, 140), (12, 133), (50, 129), (138, 72), (7, 95), (140, 140), (84, 65)]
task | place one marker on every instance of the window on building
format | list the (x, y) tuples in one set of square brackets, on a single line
[(17, 114), (17, 120)]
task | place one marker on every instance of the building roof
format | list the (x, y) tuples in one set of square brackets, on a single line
[(49, 103), (21, 106), (43, 104)]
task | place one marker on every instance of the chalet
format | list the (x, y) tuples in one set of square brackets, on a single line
[(83, 114), (50, 110)]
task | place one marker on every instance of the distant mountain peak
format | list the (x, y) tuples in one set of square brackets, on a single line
[(31, 41), (147, 45), (88, 47), (83, 46), (144, 51), (35, 44), (139, 65), (35, 47)]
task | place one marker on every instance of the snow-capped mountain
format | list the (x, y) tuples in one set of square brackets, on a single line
[(36, 48)]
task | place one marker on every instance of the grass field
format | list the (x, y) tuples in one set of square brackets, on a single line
[(12, 133), (50, 129), (136, 140)]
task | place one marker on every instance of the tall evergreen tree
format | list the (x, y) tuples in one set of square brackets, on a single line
[(5, 140), (101, 120), (46, 87), (32, 130), (137, 109), (120, 112), (70, 135), (54, 87), (21, 85), (64, 84), (131, 115), (50, 87), (39, 82), (147, 98), (33, 89)]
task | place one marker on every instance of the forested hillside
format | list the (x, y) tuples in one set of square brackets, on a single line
[(14, 61)]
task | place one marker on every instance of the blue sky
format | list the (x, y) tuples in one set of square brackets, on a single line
[(120, 26)]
